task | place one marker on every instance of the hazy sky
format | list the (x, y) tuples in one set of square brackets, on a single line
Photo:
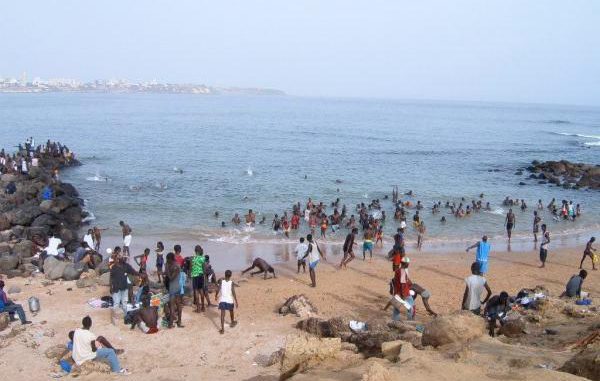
[(509, 50)]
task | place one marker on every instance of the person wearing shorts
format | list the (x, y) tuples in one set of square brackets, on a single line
[(368, 244), (544, 245), (160, 260), (126, 229), (227, 300), (510, 223), (301, 250), (314, 256), (197, 272), (425, 295)]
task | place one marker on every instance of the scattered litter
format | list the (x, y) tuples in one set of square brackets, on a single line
[(358, 326)]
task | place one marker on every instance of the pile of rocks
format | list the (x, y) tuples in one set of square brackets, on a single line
[(566, 174), (27, 219)]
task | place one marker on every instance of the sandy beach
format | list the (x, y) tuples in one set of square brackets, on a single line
[(198, 351)]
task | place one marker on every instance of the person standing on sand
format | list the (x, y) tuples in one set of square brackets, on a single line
[(536, 225), (160, 261), (544, 245), (589, 252), (314, 255), (142, 261), (420, 233), (483, 253), (510, 223), (348, 248), (300, 250), (176, 286), (97, 232), (119, 285), (126, 230), (250, 218), (227, 300), (198, 278)]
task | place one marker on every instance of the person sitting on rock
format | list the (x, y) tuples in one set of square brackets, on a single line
[(146, 318), (7, 305), (84, 255), (87, 346), (496, 309)]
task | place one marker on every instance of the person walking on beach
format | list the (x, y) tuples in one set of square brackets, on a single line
[(349, 248), (227, 300), (126, 230), (509, 222), (97, 232), (425, 295), (589, 252), (314, 255), (483, 253), (536, 225), (544, 245), (368, 244)]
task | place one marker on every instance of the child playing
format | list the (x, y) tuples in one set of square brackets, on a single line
[(228, 300)]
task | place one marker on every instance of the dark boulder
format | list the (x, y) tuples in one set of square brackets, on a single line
[(26, 214), (4, 222), (72, 215), (23, 249), (73, 270), (8, 262), (45, 220)]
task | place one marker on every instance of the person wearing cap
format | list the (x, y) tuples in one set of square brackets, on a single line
[(483, 253)]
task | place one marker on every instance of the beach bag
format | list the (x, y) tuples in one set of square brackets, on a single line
[(34, 304)]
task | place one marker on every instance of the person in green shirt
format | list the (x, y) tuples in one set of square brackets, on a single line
[(198, 275)]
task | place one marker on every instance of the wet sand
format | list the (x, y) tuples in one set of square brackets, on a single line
[(198, 351)]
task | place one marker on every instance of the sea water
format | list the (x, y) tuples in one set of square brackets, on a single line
[(166, 163)]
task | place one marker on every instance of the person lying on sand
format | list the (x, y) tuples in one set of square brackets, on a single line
[(263, 268)]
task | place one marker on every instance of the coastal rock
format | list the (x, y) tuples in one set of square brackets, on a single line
[(73, 215), (68, 190), (298, 305), (62, 202), (391, 349), (514, 326), (585, 364), (90, 367), (87, 279), (102, 267), (4, 222), (567, 174), (56, 352), (53, 268), (45, 206), (104, 279), (377, 372), (4, 248), (334, 327), (72, 271), (25, 215), (302, 352), (4, 321), (14, 290), (45, 220), (459, 327), (23, 249), (8, 262)]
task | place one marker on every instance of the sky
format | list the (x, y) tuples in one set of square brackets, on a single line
[(539, 51)]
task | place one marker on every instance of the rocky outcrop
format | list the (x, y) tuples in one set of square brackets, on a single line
[(298, 305), (585, 364), (457, 328), (303, 352), (37, 206), (566, 174)]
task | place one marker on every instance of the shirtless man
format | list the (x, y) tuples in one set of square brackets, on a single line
[(509, 222), (589, 252), (250, 218), (126, 229), (263, 268), (146, 318), (97, 236), (236, 219), (536, 225), (349, 244)]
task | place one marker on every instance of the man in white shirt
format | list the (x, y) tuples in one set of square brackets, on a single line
[(54, 247), (87, 346), (88, 238), (301, 250), (475, 284)]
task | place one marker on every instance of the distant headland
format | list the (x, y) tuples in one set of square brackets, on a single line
[(120, 86)]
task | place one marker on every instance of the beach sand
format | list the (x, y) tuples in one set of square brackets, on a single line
[(198, 351)]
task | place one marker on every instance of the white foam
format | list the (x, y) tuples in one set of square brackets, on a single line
[(592, 144), (497, 211), (579, 135), (249, 171)]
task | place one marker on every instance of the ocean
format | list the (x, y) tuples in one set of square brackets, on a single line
[(165, 163)]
